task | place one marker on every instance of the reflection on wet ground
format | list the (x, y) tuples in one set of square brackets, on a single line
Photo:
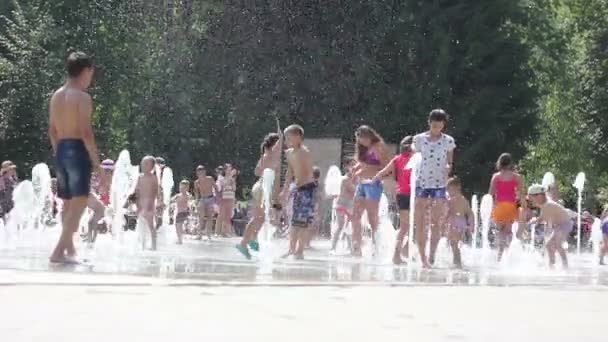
[(217, 262)]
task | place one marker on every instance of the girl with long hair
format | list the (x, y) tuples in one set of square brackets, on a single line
[(372, 156)]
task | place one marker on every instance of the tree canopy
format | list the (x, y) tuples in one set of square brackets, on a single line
[(203, 81)]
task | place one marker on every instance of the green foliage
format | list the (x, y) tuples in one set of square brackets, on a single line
[(203, 81)]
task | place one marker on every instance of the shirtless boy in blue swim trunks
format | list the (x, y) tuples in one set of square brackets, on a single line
[(299, 169), (75, 150)]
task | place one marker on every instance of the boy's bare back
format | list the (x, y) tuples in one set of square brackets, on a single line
[(301, 164), (70, 113), (147, 192)]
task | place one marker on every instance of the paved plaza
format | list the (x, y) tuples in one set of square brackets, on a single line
[(207, 291)]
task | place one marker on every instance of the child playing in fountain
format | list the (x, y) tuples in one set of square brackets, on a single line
[(204, 189), (437, 150), (460, 217), (270, 158), (344, 203), (183, 210), (146, 194), (299, 169), (505, 187), (556, 217), (402, 190)]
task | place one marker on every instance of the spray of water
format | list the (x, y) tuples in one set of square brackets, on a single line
[(413, 165), (485, 212), (167, 184), (386, 235), (41, 182), (267, 230), (475, 208), (579, 184)]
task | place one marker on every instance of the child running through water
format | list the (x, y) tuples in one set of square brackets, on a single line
[(557, 219), (460, 217), (270, 159), (299, 169), (344, 204), (505, 187), (146, 194), (402, 191), (182, 208)]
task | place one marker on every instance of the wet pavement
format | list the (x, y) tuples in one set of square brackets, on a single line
[(218, 263), (207, 291)]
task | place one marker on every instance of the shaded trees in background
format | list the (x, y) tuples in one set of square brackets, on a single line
[(203, 81)]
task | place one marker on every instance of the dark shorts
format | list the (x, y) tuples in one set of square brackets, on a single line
[(181, 217), (304, 205), (403, 201), (435, 194), (73, 169), (605, 228)]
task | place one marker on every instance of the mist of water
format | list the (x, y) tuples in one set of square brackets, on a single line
[(485, 211), (413, 165)]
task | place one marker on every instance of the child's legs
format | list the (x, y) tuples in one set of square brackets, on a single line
[(228, 217), (209, 219), (149, 217), (340, 221), (201, 218), (293, 239), (303, 233), (98, 210), (421, 207), (253, 226), (438, 213), (551, 248), (503, 239), (219, 222), (404, 225), (356, 223), (179, 230), (560, 237), (455, 236), (371, 206)]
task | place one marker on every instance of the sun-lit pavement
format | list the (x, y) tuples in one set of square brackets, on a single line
[(208, 292), (151, 313)]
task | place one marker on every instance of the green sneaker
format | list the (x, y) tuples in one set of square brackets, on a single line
[(244, 251), (254, 245)]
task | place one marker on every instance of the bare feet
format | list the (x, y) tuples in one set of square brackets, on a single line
[(286, 255), (298, 256)]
